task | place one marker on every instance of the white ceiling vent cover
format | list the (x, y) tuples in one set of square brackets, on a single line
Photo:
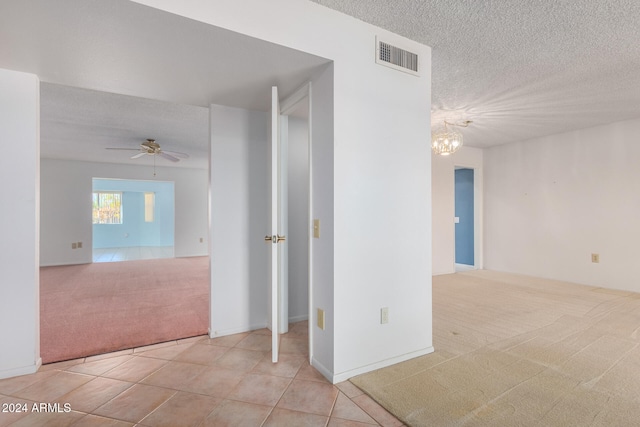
[(395, 57)]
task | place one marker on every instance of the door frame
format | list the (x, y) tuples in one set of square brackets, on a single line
[(287, 106)]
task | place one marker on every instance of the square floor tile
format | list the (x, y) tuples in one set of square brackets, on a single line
[(96, 421), (376, 411), (135, 403), (227, 340), (257, 342), (234, 414), (201, 354), (95, 393), (16, 409), (308, 372), (347, 410), (260, 389), (183, 409), (240, 359), (214, 381), (53, 387), (11, 385), (174, 375), (135, 369), (57, 419), (288, 365), (349, 389), (286, 418), (299, 329), (309, 396), (294, 345)]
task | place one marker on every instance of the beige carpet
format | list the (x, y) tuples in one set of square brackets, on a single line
[(520, 351)]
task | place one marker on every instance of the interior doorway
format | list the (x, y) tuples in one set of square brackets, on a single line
[(298, 196), (465, 257)]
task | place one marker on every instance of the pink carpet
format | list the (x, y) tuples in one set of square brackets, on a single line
[(96, 308)]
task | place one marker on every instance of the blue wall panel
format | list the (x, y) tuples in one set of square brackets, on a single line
[(464, 211)]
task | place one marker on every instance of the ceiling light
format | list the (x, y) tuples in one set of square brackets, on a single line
[(448, 141)]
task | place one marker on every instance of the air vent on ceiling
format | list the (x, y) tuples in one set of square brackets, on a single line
[(396, 57)]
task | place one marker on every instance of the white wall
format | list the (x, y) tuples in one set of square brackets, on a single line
[(298, 234), (552, 202), (66, 187), (19, 172), (322, 208), (371, 178), (443, 205)]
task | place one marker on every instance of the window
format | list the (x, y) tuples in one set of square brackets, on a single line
[(149, 204), (107, 207)]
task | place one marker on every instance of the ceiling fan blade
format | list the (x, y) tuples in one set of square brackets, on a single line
[(176, 154), (135, 156), (128, 149), (168, 156)]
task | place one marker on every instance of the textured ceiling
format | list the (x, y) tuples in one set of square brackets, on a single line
[(520, 69), (115, 72), (80, 124)]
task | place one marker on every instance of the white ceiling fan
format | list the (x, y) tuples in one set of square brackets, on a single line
[(151, 147)]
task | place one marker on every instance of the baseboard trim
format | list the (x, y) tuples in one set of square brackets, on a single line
[(343, 376), (23, 370), (224, 332), (322, 369), (295, 319)]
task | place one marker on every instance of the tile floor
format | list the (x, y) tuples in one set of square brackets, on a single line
[(227, 381)]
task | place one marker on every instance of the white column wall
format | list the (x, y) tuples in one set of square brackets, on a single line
[(19, 281), (322, 183), (374, 194)]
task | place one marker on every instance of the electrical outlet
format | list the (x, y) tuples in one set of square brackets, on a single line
[(384, 315), (595, 258), (321, 318), (201, 240), (74, 245), (79, 245)]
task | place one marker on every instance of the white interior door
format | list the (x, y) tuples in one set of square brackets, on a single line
[(276, 238)]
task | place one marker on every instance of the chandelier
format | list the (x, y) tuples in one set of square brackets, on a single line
[(448, 141)]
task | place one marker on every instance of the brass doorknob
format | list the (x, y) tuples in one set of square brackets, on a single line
[(281, 239)]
